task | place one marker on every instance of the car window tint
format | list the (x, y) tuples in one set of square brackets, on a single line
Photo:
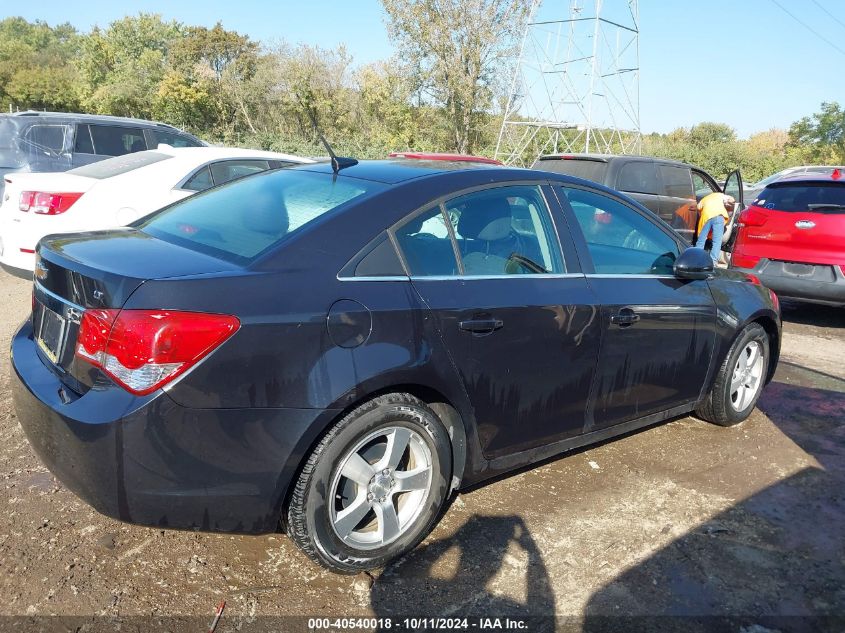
[(243, 219), (113, 140), (119, 165), (505, 231), (381, 261), (638, 177), (173, 139), (702, 186), (803, 197), (83, 144), (200, 181), (676, 181), (587, 169), (227, 170), (426, 244), (620, 240), (50, 137)]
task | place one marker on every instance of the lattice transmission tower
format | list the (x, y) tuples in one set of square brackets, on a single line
[(576, 84)]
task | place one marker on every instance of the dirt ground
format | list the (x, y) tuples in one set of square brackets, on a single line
[(681, 519)]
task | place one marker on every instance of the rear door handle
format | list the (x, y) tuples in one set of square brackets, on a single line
[(481, 326), (625, 318)]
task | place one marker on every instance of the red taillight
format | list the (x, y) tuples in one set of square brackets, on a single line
[(743, 261), (752, 217), (47, 203), (143, 350)]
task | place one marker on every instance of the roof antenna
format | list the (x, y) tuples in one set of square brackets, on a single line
[(338, 162)]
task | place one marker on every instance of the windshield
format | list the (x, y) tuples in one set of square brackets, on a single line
[(241, 220), (813, 197)]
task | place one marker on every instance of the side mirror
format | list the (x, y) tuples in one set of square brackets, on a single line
[(694, 263)]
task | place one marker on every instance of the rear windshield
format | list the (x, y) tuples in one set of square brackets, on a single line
[(119, 165), (580, 168), (241, 220), (803, 197)]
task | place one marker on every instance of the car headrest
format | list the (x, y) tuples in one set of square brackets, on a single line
[(486, 219), (267, 216)]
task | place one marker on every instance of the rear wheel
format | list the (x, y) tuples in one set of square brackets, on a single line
[(740, 379), (373, 487)]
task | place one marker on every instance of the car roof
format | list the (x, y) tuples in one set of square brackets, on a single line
[(820, 177), (92, 118), (395, 170), (203, 154), (607, 158), (444, 156)]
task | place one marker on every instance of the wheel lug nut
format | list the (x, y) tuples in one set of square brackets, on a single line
[(386, 471)]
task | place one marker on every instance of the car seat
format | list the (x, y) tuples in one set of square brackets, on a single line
[(488, 239)]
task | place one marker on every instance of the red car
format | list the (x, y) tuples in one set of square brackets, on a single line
[(792, 237), (466, 158)]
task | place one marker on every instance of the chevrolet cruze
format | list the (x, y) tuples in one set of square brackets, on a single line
[(333, 351)]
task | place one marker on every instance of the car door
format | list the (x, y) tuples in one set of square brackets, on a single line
[(640, 180), (658, 330), (516, 315)]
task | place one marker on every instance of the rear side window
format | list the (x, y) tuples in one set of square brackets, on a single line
[(119, 165), (50, 137), (227, 170), (803, 197), (113, 140), (200, 181), (639, 177), (594, 170), (174, 139), (425, 242), (241, 220), (676, 181)]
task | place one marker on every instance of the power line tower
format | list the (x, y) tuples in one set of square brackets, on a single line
[(576, 85)]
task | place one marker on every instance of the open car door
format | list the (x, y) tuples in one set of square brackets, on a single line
[(733, 188)]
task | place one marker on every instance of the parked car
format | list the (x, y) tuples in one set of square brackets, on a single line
[(754, 190), (114, 192), (55, 141), (669, 189), (448, 157), (792, 237), (339, 352)]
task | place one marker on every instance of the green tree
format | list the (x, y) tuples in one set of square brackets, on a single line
[(821, 136), (457, 49)]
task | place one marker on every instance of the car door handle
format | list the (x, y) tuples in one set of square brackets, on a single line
[(625, 318), (481, 326)]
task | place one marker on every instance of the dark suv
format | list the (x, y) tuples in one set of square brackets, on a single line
[(54, 141), (668, 188)]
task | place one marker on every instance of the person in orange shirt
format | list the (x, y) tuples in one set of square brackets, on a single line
[(714, 213)]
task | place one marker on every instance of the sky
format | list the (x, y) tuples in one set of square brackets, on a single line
[(746, 63)]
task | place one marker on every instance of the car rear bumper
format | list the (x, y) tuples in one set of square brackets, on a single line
[(807, 282), (152, 462)]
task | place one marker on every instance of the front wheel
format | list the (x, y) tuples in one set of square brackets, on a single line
[(373, 487), (740, 379)]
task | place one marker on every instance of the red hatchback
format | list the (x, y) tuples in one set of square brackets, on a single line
[(793, 237)]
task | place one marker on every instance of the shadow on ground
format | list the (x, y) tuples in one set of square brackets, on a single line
[(812, 314), (775, 560)]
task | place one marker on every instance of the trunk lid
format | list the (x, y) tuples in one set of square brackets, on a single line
[(99, 269)]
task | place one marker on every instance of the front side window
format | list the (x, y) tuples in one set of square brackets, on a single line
[(702, 186), (620, 240), (638, 177), (243, 219), (114, 140), (173, 139)]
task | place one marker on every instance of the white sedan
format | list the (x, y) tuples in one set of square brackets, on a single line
[(114, 192)]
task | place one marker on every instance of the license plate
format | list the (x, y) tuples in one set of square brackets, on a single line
[(51, 333)]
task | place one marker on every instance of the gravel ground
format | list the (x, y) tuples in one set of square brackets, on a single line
[(682, 519)]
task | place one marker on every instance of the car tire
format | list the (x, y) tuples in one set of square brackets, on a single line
[(740, 379), (373, 460)]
